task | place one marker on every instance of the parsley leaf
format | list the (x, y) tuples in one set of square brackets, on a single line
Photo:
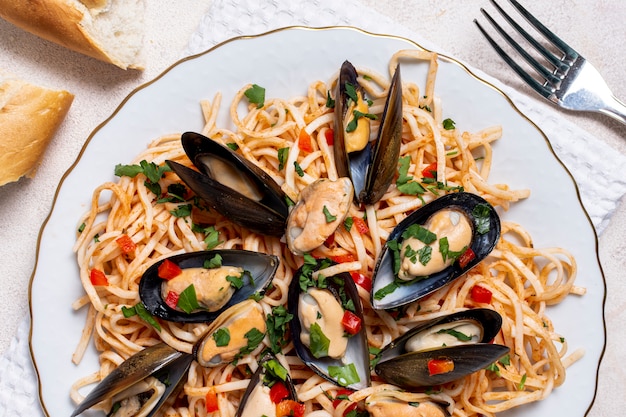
[(277, 327), (298, 169), (448, 124), (214, 262), (329, 217), (188, 301), (481, 215), (319, 342), (283, 154), (256, 95), (211, 235), (183, 210), (344, 375), (330, 103), (140, 311), (348, 222), (221, 337), (460, 336), (420, 233)]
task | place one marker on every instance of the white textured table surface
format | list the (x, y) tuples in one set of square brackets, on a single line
[(596, 28)]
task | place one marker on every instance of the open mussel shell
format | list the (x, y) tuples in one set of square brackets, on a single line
[(371, 169), (160, 361), (356, 354), (233, 186), (261, 380), (243, 326), (482, 243), (399, 403), (261, 268), (398, 366)]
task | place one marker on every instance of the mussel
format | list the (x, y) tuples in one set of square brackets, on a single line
[(399, 403), (141, 384), (236, 332), (220, 278), (321, 208), (270, 388), (233, 186), (327, 329), (403, 271), (370, 165), (442, 350)]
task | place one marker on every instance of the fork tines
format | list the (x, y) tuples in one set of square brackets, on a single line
[(560, 66)]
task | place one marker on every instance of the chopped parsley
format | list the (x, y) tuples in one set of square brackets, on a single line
[(330, 102), (329, 217), (277, 327), (448, 124), (298, 169), (256, 95), (319, 342), (214, 262), (140, 311), (221, 337), (283, 154), (352, 125), (404, 182), (481, 215), (182, 210), (344, 375), (188, 300), (211, 235), (348, 222), (455, 333)]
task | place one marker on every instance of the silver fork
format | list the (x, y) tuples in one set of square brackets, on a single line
[(570, 81)]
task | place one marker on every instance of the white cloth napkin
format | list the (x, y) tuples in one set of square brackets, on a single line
[(581, 152)]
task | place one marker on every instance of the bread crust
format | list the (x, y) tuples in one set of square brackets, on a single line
[(64, 22), (28, 120)]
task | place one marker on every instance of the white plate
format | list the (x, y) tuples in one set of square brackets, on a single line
[(285, 62)]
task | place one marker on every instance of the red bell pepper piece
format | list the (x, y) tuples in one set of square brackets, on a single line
[(290, 408), (210, 402), (329, 134), (351, 322), (360, 225), (430, 171), (343, 258), (168, 270), (98, 277), (340, 393), (440, 366), (126, 244), (361, 280), (172, 299), (466, 257), (278, 392), (481, 294), (304, 142)]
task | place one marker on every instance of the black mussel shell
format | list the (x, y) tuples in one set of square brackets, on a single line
[(410, 369), (265, 213), (261, 267), (372, 169), (482, 244), (357, 352), (160, 361), (258, 377)]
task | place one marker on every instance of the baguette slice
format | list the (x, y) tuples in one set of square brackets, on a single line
[(108, 30), (29, 117)]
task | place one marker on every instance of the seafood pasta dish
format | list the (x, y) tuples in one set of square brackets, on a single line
[(336, 253)]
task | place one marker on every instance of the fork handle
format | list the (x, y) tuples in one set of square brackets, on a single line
[(614, 108)]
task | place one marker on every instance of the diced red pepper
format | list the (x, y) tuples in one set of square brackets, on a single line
[(361, 280), (330, 240), (304, 142), (329, 134), (98, 277), (278, 392), (172, 299), (126, 244), (351, 322), (430, 171), (210, 401), (340, 393), (289, 408), (440, 366), (466, 257), (168, 270), (360, 225), (481, 294), (343, 258)]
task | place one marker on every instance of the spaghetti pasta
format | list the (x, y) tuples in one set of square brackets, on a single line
[(522, 279)]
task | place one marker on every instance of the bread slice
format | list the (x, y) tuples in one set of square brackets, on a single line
[(108, 30), (29, 117)]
